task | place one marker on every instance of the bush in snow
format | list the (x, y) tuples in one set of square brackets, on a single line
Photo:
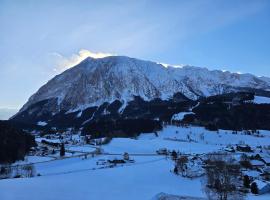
[(181, 164), (246, 181), (174, 155), (254, 188), (5, 171), (62, 150), (29, 170)]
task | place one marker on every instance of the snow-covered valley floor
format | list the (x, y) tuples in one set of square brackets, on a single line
[(150, 174)]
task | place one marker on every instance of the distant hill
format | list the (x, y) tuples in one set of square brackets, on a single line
[(6, 113)]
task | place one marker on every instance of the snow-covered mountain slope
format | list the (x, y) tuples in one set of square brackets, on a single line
[(95, 81)]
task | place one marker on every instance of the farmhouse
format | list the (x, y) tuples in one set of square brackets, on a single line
[(263, 186)]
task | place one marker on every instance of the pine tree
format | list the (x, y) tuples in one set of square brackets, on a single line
[(246, 181), (175, 170), (62, 150), (174, 155), (254, 188)]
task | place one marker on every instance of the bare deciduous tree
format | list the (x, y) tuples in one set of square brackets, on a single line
[(181, 164), (5, 171), (29, 170), (222, 180)]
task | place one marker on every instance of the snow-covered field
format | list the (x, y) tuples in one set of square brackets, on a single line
[(261, 100), (139, 181), (150, 174)]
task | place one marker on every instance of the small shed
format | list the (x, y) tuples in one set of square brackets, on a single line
[(243, 148), (162, 151), (117, 161), (263, 186), (229, 149), (126, 156)]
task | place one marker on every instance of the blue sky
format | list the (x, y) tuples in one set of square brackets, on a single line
[(39, 38)]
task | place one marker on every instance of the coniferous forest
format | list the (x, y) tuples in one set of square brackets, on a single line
[(14, 143)]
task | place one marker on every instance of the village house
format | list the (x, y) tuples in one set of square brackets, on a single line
[(266, 174), (162, 151), (243, 148), (266, 160), (263, 186), (257, 163)]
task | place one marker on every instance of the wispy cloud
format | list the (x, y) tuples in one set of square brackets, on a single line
[(154, 30), (62, 63), (170, 65)]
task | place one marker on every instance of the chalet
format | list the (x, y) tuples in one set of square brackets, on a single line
[(117, 161), (162, 151), (257, 163), (229, 149), (243, 148), (101, 162), (266, 160), (263, 186)]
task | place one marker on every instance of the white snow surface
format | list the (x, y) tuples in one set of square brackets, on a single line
[(261, 100), (41, 123), (180, 116), (83, 179)]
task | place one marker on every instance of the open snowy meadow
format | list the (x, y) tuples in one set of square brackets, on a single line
[(83, 177)]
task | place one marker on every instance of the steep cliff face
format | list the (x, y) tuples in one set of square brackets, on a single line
[(94, 82)]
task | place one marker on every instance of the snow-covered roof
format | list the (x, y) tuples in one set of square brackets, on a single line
[(266, 159), (42, 123), (256, 163), (261, 184)]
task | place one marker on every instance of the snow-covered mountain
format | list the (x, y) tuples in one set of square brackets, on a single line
[(100, 92), (95, 81)]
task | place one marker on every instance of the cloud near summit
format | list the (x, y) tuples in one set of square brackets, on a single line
[(63, 62)]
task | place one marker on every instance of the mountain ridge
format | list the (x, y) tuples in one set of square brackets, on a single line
[(95, 81)]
